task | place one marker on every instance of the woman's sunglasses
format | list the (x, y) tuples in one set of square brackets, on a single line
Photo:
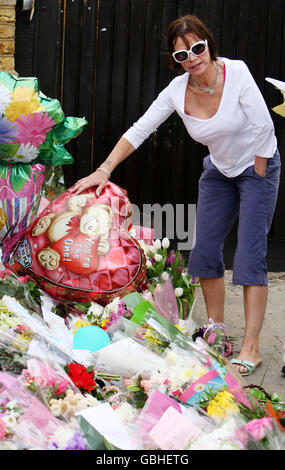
[(197, 49)]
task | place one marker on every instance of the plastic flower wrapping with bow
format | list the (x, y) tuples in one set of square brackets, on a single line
[(33, 132)]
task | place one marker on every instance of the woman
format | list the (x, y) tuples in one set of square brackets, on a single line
[(221, 107)]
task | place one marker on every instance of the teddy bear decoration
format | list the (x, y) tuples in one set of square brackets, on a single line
[(79, 248)]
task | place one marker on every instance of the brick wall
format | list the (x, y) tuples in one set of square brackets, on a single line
[(7, 35)]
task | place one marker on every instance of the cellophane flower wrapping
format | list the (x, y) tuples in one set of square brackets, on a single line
[(55, 389), (126, 357), (25, 421)]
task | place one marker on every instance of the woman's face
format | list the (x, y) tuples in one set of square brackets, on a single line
[(196, 66)]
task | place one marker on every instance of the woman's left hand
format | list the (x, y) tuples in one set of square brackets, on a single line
[(260, 166)]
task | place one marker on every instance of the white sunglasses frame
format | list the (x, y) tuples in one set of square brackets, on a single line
[(204, 41)]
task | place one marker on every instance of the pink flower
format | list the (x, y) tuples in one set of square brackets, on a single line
[(146, 384), (258, 428), (60, 386), (211, 338), (34, 128), (148, 296), (228, 349), (5, 273), (241, 435), (23, 279), (129, 382), (39, 381), (3, 430)]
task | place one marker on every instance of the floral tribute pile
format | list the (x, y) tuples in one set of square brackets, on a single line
[(160, 382)]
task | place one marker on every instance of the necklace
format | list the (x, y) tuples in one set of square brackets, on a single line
[(208, 89)]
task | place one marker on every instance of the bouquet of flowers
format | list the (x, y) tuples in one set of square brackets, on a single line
[(13, 330), (91, 313), (163, 265), (12, 359), (216, 336), (21, 288), (25, 423), (55, 389), (68, 437)]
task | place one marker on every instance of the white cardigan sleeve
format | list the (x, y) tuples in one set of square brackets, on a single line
[(156, 114), (257, 112)]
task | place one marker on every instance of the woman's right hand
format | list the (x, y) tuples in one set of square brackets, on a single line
[(98, 178)]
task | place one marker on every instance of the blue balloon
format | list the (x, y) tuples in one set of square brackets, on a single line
[(90, 337)]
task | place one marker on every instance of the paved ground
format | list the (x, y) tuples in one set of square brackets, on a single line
[(272, 338)]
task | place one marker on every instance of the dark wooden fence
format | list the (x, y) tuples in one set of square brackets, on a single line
[(104, 59)]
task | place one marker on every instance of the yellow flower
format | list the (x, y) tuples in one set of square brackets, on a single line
[(222, 405), (24, 101), (79, 324), (187, 374), (3, 219), (180, 328), (23, 94)]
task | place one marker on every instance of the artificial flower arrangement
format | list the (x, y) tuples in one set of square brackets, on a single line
[(32, 126), (33, 133)]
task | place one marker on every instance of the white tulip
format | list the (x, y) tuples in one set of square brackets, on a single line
[(164, 276), (178, 292), (157, 244), (157, 257), (148, 264), (165, 243)]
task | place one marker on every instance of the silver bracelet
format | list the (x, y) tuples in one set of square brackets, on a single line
[(105, 171)]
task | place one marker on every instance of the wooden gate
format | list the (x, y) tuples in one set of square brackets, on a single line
[(105, 60)]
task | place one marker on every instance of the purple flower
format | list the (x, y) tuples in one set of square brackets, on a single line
[(8, 131), (76, 442), (199, 334), (179, 269)]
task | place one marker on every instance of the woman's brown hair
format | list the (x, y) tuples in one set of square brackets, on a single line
[(180, 27)]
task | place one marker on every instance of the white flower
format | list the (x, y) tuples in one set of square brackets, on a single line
[(95, 309), (112, 307), (164, 276), (25, 154), (148, 264), (126, 412), (199, 387), (157, 257), (157, 245), (5, 98), (165, 243), (10, 422), (12, 404), (178, 292), (144, 246)]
